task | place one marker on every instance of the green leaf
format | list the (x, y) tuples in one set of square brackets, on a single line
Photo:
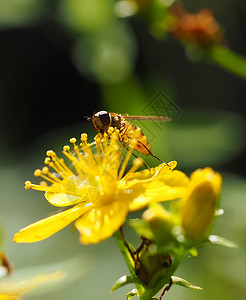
[(131, 294), (124, 280), (184, 283), (219, 240)]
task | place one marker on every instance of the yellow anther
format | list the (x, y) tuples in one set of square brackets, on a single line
[(115, 135), (84, 136), (43, 183), (28, 184), (98, 136), (138, 162), (97, 139), (73, 140), (37, 173), (66, 148), (47, 160), (110, 130), (50, 153), (45, 170)]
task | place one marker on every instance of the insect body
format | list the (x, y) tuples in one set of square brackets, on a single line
[(102, 120)]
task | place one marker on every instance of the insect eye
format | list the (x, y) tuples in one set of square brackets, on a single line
[(102, 120)]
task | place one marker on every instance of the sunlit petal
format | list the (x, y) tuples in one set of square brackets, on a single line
[(101, 222), (166, 187), (46, 227), (150, 173), (62, 199)]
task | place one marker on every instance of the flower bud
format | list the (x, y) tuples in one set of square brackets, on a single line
[(160, 221), (199, 203), (148, 265)]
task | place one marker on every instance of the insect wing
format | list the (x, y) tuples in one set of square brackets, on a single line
[(148, 118)]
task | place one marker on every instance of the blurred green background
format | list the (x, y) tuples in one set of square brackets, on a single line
[(62, 60)]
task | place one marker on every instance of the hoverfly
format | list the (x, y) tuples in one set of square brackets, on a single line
[(102, 120)]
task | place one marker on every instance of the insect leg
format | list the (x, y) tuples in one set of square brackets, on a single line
[(167, 288), (162, 161), (143, 161)]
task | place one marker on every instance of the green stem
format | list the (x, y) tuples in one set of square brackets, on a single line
[(147, 292), (228, 60), (128, 258)]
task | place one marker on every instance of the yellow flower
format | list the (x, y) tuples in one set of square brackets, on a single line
[(13, 289), (199, 204), (97, 189)]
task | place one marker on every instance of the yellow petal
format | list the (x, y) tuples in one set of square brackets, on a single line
[(166, 187), (72, 191), (101, 222), (9, 297), (62, 199), (174, 178), (46, 227), (166, 167), (153, 172)]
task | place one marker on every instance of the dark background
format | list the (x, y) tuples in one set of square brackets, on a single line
[(41, 90)]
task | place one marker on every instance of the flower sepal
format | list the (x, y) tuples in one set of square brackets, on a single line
[(182, 282), (219, 241), (131, 294), (124, 280), (156, 225)]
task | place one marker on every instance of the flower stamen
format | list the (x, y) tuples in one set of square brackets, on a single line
[(126, 159), (136, 164), (60, 166)]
